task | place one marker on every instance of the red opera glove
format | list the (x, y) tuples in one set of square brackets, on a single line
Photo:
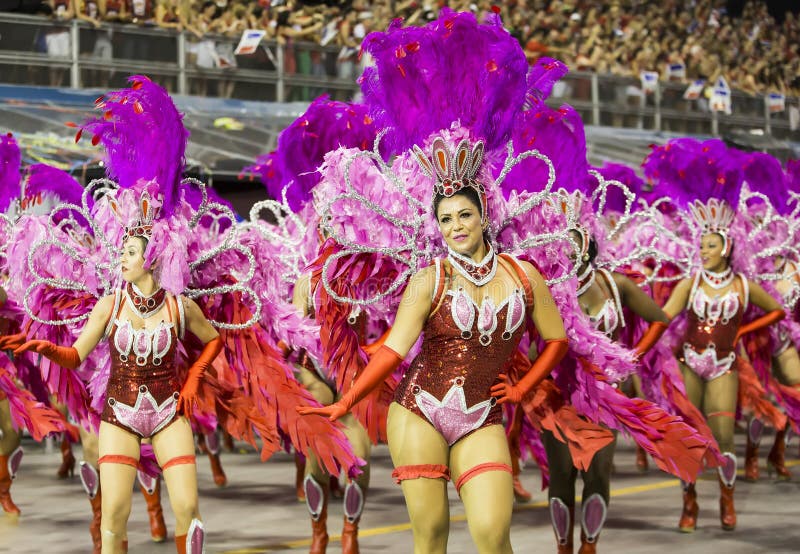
[(650, 338), (65, 356), (12, 342), (550, 355), (765, 320), (373, 347), (195, 376), (380, 366)]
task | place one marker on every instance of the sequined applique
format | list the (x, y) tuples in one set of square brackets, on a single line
[(450, 415), (717, 309), (143, 342), (706, 364), (146, 417), (466, 314), (607, 319)]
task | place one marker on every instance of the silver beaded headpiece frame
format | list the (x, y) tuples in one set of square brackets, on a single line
[(97, 256)]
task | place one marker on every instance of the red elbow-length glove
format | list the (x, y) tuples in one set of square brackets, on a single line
[(650, 338), (767, 319), (551, 354), (191, 386), (380, 367), (65, 356)]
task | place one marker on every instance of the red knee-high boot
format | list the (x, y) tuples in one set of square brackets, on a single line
[(300, 471), (754, 431), (563, 519), (593, 516), (8, 469), (727, 481), (212, 448), (193, 541), (67, 467), (317, 502), (151, 490), (688, 521), (353, 507), (775, 459), (91, 484)]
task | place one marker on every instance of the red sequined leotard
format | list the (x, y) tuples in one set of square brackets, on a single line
[(712, 324), (464, 349), (144, 384)]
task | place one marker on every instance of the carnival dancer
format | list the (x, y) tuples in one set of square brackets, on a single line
[(24, 402), (290, 174), (146, 395), (591, 388), (767, 210), (445, 421), (705, 178)]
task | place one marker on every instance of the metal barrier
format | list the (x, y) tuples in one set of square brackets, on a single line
[(41, 51)]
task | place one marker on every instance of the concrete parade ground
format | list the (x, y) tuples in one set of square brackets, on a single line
[(257, 511)]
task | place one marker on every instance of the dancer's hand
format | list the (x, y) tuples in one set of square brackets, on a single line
[(506, 391), (12, 342), (65, 356), (189, 394), (332, 412)]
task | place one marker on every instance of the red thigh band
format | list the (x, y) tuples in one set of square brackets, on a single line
[(477, 470), (118, 459), (180, 460), (429, 471), (721, 414)]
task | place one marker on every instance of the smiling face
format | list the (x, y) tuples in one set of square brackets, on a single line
[(132, 259), (711, 252), (460, 223)]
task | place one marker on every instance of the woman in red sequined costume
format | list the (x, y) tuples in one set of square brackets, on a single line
[(145, 399), (601, 296), (445, 421), (715, 299), (316, 481)]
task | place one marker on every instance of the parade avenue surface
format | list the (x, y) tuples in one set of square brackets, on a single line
[(258, 513)]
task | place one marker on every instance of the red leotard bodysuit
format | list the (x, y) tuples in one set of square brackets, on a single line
[(144, 385), (464, 349), (712, 324)]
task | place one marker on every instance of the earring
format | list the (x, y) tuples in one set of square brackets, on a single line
[(586, 257)]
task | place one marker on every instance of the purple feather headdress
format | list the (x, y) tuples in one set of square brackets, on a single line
[(559, 135), (687, 169), (451, 70), (45, 181), (793, 173), (703, 177), (9, 171), (143, 136), (325, 126), (545, 73), (764, 174)]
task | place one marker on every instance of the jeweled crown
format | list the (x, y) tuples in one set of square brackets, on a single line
[(453, 171), (143, 225), (715, 216)]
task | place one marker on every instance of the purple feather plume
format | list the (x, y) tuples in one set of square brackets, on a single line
[(686, 169), (9, 171), (144, 137), (452, 69), (764, 174), (324, 127), (47, 181)]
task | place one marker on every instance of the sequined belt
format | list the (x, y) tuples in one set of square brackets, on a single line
[(146, 417), (450, 415), (706, 364)]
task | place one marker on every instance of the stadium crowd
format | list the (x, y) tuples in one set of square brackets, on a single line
[(682, 40)]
